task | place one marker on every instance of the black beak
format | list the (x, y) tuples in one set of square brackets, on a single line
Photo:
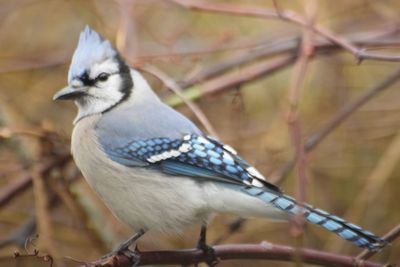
[(68, 93)]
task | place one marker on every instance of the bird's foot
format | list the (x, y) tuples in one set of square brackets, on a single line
[(209, 253), (123, 249), (118, 258)]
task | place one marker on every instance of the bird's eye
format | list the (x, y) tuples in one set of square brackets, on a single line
[(102, 77)]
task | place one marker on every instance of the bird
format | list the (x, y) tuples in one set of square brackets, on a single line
[(154, 168)]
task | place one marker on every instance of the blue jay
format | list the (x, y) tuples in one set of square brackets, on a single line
[(154, 168)]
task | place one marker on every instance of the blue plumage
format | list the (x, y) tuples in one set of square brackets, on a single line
[(199, 156), (122, 123), (203, 157), (332, 223)]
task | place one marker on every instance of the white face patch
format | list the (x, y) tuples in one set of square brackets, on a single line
[(108, 66), (76, 83), (100, 97), (93, 56)]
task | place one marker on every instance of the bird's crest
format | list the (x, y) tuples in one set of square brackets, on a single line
[(92, 48)]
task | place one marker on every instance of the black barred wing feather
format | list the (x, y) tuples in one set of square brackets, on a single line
[(203, 157), (193, 155)]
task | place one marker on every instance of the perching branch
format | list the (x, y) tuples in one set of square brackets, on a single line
[(263, 251)]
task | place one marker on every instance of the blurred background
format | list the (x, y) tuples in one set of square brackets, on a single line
[(236, 74)]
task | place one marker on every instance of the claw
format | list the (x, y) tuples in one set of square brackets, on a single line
[(123, 248), (209, 252)]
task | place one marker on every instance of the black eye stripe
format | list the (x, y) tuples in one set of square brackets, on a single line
[(87, 81)]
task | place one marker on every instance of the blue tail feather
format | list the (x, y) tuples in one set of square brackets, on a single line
[(346, 230)]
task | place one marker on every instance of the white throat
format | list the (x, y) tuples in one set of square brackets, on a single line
[(100, 100)]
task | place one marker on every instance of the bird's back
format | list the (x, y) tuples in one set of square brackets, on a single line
[(143, 116)]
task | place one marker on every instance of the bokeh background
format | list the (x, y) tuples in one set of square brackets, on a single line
[(353, 172)]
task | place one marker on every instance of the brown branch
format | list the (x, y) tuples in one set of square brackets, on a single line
[(373, 184), (63, 195), (282, 46), (44, 225), (37, 61), (294, 125), (313, 141), (173, 86), (230, 80), (24, 182), (253, 51), (263, 251), (6, 132), (247, 74), (284, 15)]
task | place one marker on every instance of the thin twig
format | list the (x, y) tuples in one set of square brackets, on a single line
[(44, 225), (6, 132), (234, 79), (294, 125), (263, 49), (24, 182), (64, 195), (126, 33), (284, 15), (172, 85), (391, 236), (373, 184), (20, 235), (313, 141), (286, 45)]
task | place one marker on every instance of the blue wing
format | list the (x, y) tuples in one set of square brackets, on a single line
[(203, 157), (193, 155)]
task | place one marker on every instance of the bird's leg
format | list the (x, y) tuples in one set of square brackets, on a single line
[(209, 252), (123, 248)]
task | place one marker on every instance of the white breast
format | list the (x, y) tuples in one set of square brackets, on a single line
[(138, 197), (141, 197)]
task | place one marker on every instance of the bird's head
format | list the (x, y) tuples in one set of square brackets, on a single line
[(98, 78)]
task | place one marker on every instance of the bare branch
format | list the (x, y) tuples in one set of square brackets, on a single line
[(230, 80), (294, 125), (25, 181), (263, 251), (337, 120), (390, 237), (284, 15), (172, 85)]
